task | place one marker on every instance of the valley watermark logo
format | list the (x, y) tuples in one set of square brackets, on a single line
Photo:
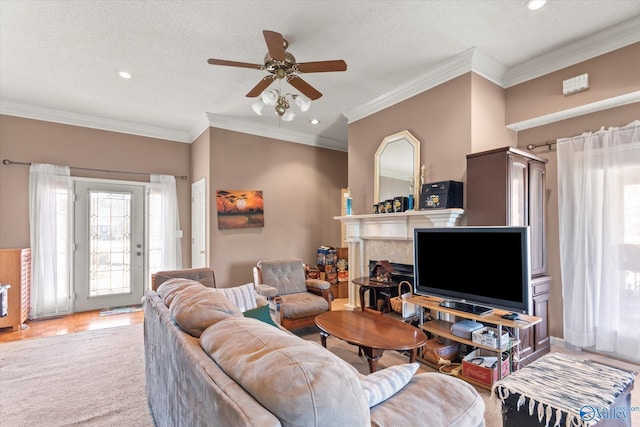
[(591, 413)]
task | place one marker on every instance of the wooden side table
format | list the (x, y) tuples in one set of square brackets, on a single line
[(366, 283)]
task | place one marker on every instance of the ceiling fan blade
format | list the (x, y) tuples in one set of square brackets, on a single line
[(235, 64), (304, 87), (322, 66), (260, 87), (275, 44)]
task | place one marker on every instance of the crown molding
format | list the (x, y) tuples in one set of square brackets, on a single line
[(570, 113), (605, 41), (469, 60), (237, 125), (476, 61), (88, 121)]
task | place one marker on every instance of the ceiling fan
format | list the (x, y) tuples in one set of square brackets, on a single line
[(282, 65)]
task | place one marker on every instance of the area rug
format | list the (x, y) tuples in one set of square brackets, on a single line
[(93, 378), (121, 310)]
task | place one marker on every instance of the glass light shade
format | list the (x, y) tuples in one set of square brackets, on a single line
[(270, 97), (288, 116), (303, 102), (258, 106)]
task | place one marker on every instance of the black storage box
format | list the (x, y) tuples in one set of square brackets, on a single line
[(400, 204), (441, 195)]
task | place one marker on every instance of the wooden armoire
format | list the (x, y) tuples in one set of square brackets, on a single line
[(507, 186)]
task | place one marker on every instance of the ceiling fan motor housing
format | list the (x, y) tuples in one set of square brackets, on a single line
[(280, 68)]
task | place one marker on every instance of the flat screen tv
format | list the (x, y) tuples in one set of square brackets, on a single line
[(486, 266)]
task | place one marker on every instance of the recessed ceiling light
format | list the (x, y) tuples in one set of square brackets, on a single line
[(535, 4), (124, 74), (314, 121)]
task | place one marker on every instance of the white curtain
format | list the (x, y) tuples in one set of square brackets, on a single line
[(599, 221), (49, 221), (165, 251)]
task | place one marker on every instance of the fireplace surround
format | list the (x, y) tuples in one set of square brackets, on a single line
[(388, 237)]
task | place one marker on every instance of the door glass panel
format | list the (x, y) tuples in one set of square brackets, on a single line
[(110, 218)]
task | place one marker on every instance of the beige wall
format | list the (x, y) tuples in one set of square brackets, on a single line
[(27, 140), (613, 74), (488, 109), (469, 114), (301, 188), (301, 185), (439, 118)]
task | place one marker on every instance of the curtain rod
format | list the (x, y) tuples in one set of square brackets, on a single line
[(550, 143), (11, 162), (534, 146)]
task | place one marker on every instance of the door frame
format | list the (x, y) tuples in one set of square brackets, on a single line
[(144, 229), (198, 224)]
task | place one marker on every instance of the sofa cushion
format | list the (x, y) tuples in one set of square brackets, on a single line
[(170, 288), (447, 400), (381, 385), (262, 313), (196, 308), (300, 383), (295, 306), (244, 296)]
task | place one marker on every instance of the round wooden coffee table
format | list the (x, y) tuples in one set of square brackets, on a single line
[(372, 333)]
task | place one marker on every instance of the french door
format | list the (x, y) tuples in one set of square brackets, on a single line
[(109, 245)]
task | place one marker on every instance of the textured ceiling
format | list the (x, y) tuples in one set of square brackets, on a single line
[(59, 59)]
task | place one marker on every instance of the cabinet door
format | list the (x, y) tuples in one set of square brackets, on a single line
[(542, 341), (536, 218), (517, 206)]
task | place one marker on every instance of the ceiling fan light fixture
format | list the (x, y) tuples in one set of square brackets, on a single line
[(258, 106), (303, 102), (288, 116), (270, 97)]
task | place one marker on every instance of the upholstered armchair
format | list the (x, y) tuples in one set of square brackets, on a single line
[(298, 300)]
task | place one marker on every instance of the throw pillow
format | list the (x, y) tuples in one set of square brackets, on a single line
[(301, 383), (170, 288), (261, 313), (243, 297), (196, 308), (381, 385)]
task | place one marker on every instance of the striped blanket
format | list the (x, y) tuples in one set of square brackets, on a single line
[(561, 384)]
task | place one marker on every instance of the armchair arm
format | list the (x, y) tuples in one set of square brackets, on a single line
[(266, 290), (317, 284), (320, 287)]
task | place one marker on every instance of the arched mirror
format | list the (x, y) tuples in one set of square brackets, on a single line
[(396, 167)]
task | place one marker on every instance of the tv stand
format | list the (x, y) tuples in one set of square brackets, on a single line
[(480, 310), (442, 328)]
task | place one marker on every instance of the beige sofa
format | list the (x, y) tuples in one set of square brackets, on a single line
[(207, 364)]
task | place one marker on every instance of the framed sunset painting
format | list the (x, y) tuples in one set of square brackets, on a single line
[(239, 209)]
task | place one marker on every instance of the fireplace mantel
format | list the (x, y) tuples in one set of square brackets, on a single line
[(361, 230)]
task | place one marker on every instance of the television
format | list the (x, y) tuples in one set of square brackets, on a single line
[(475, 267)]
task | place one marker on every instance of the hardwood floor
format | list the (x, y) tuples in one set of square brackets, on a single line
[(86, 321), (68, 324)]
